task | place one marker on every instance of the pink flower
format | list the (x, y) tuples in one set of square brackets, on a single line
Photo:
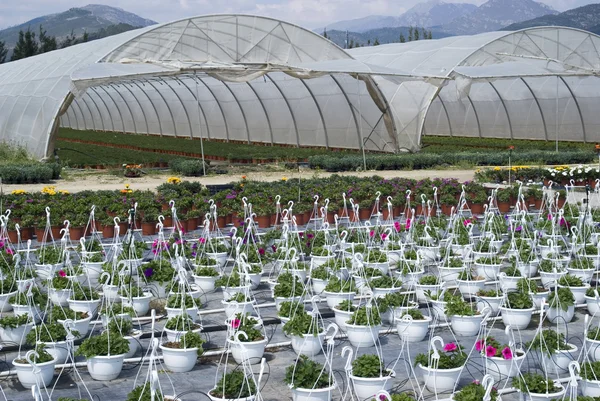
[(549, 217), (490, 351), (479, 345), (202, 240), (261, 251), (397, 226), (407, 224), (477, 382), (450, 347), (235, 323), (10, 251), (372, 233), (466, 222), (62, 273), (383, 236), (507, 353)]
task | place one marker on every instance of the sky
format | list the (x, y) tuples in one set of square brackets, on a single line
[(308, 13)]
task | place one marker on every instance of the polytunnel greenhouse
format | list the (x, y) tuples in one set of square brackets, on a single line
[(253, 79)]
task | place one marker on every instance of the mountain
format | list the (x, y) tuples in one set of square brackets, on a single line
[(91, 18), (383, 35), (494, 15), (586, 17), (430, 13)]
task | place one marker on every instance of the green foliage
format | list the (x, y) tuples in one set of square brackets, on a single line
[(594, 334), (181, 323), (120, 325), (519, 300), (247, 324), (49, 255), (369, 366), (429, 280), (474, 392), (561, 298), (234, 385), (346, 305), (300, 324), (288, 286), (416, 314), (456, 306), (454, 358), (384, 282), (12, 321), (39, 298), (590, 371), (569, 280), (232, 280), (179, 300), (47, 333), (239, 297), (206, 271), (142, 393), (338, 285), (489, 293), (288, 308), (307, 374), (41, 357), (82, 293), (365, 316), (534, 383), (99, 345), (549, 341), (527, 285), (320, 273), (160, 271), (59, 313)]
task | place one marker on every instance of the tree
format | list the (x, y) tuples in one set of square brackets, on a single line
[(70, 40), (430, 35), (324, 34), (351, 45), (425, 36), (376, 42), (86, 36), (402, 38), (416, 34), (26, 45), (410, 34), (47, 43), (3, 52)]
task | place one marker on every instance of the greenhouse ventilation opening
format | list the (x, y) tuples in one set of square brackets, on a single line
[(253, 79)]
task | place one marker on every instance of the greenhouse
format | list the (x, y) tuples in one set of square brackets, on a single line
[(252, 79)]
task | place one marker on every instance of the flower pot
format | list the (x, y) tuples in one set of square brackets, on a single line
[(362, 336), (421, 289), (141, 305), (559, 315), (590, 388), (173, 312), (75, 233), (27, 377), (490, 272), (159, 290), (341, 317), (179, 360), (33, 311), (584, 274), (384, 267), (134, 343), (559, 361), (368, 387), (230, 292), (5, 306), (220, 257), (517, 318), (466, 325), (81, 325), (263, 221), (548, 396), (382, 292), (252, 351), (409, 280), (318, 285), (449, 275), (254, 280), (593, 305), (212, 398), (58, 350), (438, 308), (550, 279), (440, 380), (413, 330), (501, 368), (91, 307), (232, 308), (149, 228), (317, 261), (308, 344), (538, 298), (593, 349), (317, 394), (578, 293), (104, 368), (110, 293), (335, 298), (16, 335), (491, 302), (108, 231), (206, 283), (470, 288), (508, 283)]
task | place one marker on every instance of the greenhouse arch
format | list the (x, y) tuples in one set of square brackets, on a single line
[(252, 79)]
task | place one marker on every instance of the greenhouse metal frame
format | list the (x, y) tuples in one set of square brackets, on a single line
[(252, 79)]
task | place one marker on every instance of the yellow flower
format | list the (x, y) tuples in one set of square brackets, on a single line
[(64, 192), (49, 190), (19, 192), (173, 180), (497, 169), (284, 179), (126, 186)]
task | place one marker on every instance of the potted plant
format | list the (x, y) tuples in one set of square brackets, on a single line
[(53, 337), (377, 260), (158, 273), (309, 380), (121, 325), (450, 269), (180, 356), (136, 298), (592, 340), (21, 305), (39, 374), (592, 300), (8, 289), (104, 354), (369, 376), (205, 277), (576, 285), (339, 290), (502, 360), (60, 288), (84, 299), (590, 375), (319, 277), (561, 305), (384, 285), (428, 283), (490, 298), (442, 376), (510, 277), (469, 284), (537, 294), (231, 284), (141, 393), (343, 311), (247, 341), (517, 310), (14, 329), (306, 333), (550, 272), (409, 273), (413, 325), (80, 320), (363, 326), (474, 392), (181, 304), (582, 268), (180, 324), (234, 385), (465, 319), (239, 303), (488, 267), (289, 309), (551, 344), (538, 388)]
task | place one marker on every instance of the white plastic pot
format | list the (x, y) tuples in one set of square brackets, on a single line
[(548, 396), (501, 368), (254, 280), (179, 360), (341, 317), (560, 315), (412, 330), (317, 394), (382, 292), (141, 305), (335, 298), (220, 257), (230, 292), (550, 279), (28, 378), (206, 283), (318, 285), (578, 293), (91, 307), (173, 312), (252, 351), (58, 350), (317, 261), (16, 335), (409, 280), (470, 288), (362, 336), (593, 349), (560, 360), (33, 311), (5, 306), (440, 380), (590, 388), (60, 297), (466, 325), (449, 275), (491, 302), (420, 289), (508, 283), (490, 272), (175, 335), (367, 387), (308, 344), (104, 368), (82, 325), (134, 343), (517, 318), (212, 398), (438, 308), (159, 290), (593, 305), (280, 300), (539, 297), (584, 274), (384, 267)]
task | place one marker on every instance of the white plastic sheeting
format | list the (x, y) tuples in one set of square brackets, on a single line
[(236, 78)]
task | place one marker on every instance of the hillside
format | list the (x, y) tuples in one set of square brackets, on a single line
[(383, 35), (586, 17), (91, 18)]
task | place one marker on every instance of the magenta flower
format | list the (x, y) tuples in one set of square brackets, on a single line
[(261, 251), (450, 347), (479, 345), (407, 224), (397, 226), (62, 273), (372, 233), (309, 236), (235, 323), (466, 222), (202, 240), (490, 351), (10, 251), (383, 236), (507, 353)]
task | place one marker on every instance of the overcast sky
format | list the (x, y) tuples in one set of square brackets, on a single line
[(308, 13)]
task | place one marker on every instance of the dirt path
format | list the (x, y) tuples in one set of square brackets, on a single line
[(94, 181)]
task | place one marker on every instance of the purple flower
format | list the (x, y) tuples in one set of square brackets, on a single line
[(148, 272)]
